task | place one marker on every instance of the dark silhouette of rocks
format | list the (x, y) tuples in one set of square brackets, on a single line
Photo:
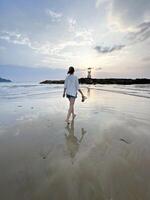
[(52, 82), (4, 80), (122, 81)]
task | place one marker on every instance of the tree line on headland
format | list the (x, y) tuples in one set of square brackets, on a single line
[(4, 80), (123, 81)]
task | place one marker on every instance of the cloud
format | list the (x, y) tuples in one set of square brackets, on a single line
[(72, 23), (55, 16), (55, 49), (141, 34), (79, 39), (82, 34), (131, 11), (85, 69), (55, 59), (106, 49), (126, 14), (85, 35), (21, 39), (15, 37), (99, 2), (82, 38)]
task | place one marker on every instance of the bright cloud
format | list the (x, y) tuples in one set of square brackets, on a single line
[(141, 33), (125, 15), (55, 16), (85, 35), (129, 13), (72, 24), (14, 37), (84, 38), (99, 2)]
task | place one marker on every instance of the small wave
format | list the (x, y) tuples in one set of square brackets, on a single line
[(18, 86), (137, 94), (30, 86), (26, 95), (144, 89)]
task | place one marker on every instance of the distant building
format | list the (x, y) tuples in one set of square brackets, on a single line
[(89, 72)]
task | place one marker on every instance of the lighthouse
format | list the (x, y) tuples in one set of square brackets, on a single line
[(89, 73)]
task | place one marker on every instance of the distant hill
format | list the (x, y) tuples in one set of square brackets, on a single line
[(4, 80)]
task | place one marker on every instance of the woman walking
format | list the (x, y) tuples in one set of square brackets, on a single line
[(71, 87)]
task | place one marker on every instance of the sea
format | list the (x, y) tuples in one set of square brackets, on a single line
[(12, 91)]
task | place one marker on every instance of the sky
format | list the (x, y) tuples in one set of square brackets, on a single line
[(43, 38)]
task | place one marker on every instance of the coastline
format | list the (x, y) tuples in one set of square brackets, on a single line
[(94, 81)]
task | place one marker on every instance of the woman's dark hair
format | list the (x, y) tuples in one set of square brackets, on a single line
[(71, 70)]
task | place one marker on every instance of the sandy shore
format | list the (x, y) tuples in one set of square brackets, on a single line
[(102, 155)]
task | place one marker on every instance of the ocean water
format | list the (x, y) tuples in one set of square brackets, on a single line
[(19, 99), (139, 90), (26, 90), (34, 90)]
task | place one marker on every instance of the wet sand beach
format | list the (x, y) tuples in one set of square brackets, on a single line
[(102, 155)]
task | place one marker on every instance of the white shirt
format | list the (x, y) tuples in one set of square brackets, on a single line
[(71, 85)]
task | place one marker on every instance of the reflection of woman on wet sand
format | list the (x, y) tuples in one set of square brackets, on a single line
[(72, 141)]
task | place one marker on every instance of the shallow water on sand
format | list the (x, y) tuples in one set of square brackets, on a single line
[(103, 154)]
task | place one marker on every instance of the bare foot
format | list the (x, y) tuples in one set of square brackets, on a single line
[(73, 116)]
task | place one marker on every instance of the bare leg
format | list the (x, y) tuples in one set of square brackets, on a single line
[(71, 109), (73, 114)]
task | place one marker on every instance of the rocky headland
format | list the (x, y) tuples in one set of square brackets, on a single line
[(123, 81)]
